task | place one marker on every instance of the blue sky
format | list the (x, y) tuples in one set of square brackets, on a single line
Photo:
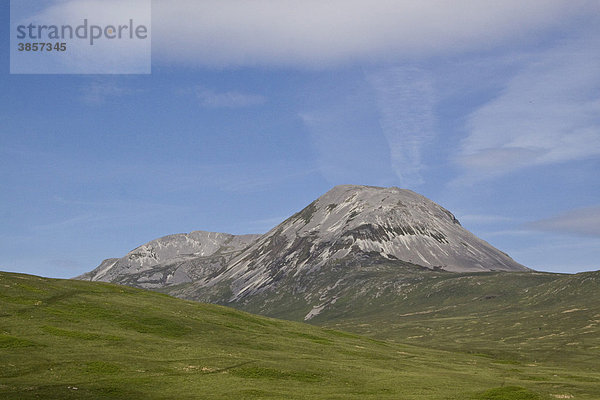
[(254, 109)]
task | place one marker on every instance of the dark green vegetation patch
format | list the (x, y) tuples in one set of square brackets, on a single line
[(509, 393)]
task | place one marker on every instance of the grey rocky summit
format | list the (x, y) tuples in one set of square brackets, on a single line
[(352, 238), (172, 259), (378, 223)]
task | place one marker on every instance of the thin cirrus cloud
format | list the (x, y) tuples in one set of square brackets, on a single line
[(316, 33), (344, 152), (582, 221), (405, 100), (232, 99), (98, 92), (549, 112), (341, 123), (377, 127)]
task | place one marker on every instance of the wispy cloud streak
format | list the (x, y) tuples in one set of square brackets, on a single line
[(582, 221), (210, 98), (100, 91), (549, 112), (406, 99)]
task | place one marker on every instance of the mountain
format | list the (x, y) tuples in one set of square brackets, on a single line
[(172, 260), (365, 225), (351, 240)]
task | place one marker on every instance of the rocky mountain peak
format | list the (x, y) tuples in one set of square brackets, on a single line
[(365, 222), (344, 231), (351, 205), (170, 259)]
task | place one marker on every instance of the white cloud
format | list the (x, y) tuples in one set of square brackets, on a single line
[(582, 221), (210, 98), (105, 56), (549, 112), (99, 91), (318, 33), (405, 99)]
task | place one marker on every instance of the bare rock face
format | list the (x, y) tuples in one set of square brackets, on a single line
[(350, 222), (351, 241), (172, 260)]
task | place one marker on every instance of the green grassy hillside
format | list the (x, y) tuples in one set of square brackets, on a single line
[(525, 317), (70, 339)]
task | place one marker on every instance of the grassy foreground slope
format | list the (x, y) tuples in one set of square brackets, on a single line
[(523, 317), (64, 339)]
